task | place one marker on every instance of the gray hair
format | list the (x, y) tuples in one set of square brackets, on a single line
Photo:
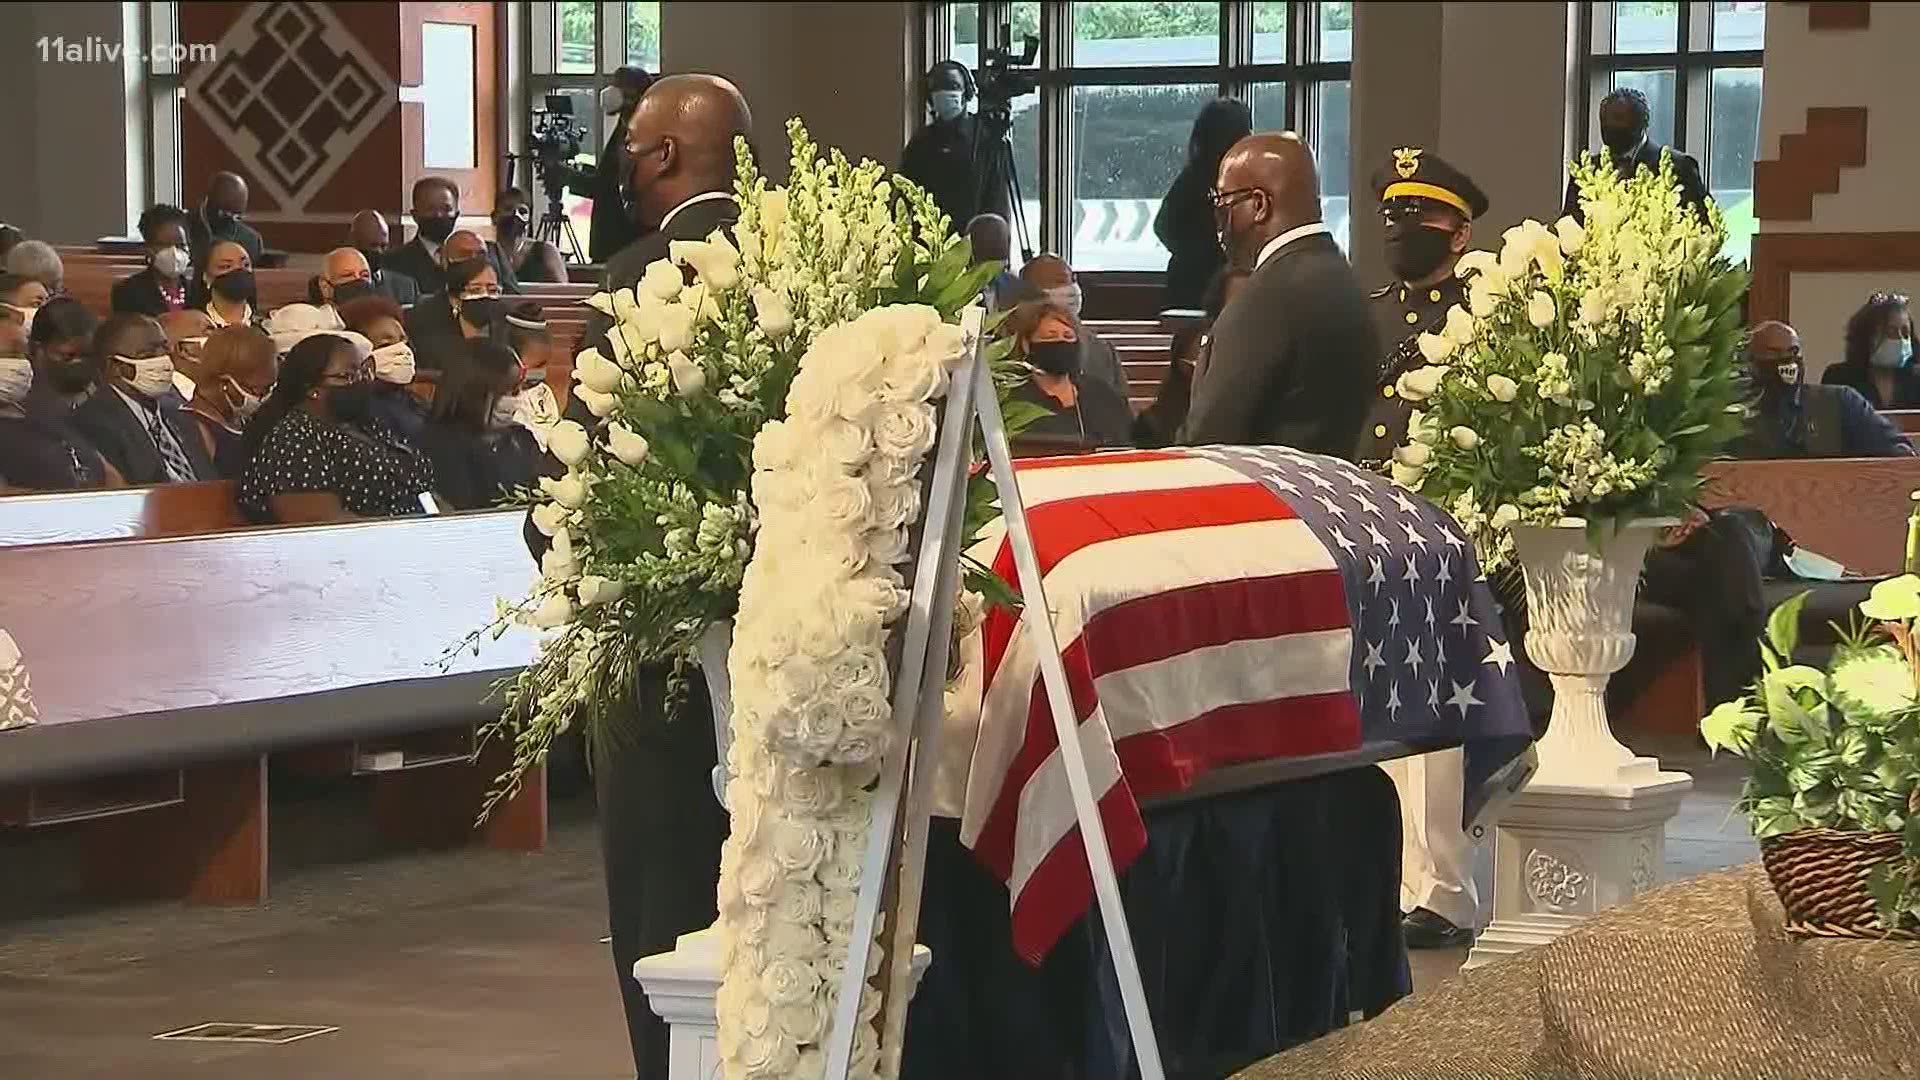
[(36, 259)]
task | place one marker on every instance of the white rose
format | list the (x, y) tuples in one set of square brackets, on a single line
[(1480, 298), (569, 491), (799, 942), (845, 501), (894, 504), (593, 370), (548, 517), (1594, 307), (1502, 388), (595, 589), (759, 879), (1464, 437), (1420, 383), (888, 547), (599, 404), (1505, 516), (818, 727), (569, 442), (689, 378), (799, 848), (1459, 326), (1435, 347), (767, 1056), (715, 260), (675, 321), (810, 791), (845, 444), (771, 313), (1475, 262), (837, 910), (1414, 454), (805, 1022), (627, 444), (625, 305), (812, 1065), (787, 982), (662, 280), (555, 611), (842, 871), (801, 902), (1407, 476), (1540, 310), (1572, 236), (904, 431)]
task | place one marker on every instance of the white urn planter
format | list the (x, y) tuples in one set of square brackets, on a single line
[(1589, 830), (682, 985)]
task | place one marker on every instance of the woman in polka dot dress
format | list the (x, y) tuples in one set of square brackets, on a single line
[(314, 452)]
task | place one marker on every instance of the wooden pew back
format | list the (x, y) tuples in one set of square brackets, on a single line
[(119, 513), (1850, 509)]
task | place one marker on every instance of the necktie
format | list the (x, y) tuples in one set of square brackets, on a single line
[(173, 459)]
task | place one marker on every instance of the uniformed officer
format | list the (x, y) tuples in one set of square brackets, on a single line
[(1429, 208)]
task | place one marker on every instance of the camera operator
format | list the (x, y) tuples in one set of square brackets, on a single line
[(613, 226), (942, 159)]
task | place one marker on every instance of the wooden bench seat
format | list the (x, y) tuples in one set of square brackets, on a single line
[(61, 517), (166, 669), (1853, 510)]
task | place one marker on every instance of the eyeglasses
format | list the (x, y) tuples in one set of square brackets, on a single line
[(489, 292), (634, 154), (1226, 200)]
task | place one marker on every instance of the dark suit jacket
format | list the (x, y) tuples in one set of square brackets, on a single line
[(433, 329), (1686, 173), (1293, 357), (125, 441), (397, 287), (239, 232), (612, 226), (139, 294), (414, 261), (1906, 384)]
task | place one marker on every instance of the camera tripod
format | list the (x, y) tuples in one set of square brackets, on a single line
[(994, 166), (555, 226)]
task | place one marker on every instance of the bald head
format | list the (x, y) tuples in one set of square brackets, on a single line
[(992, 239), (1773, 354), (343, 266), (368, 231), (681, 138), (1047, 272), (1270, 186), (226, 191), (463, 244)]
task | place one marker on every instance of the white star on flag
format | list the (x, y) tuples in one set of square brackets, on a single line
[(1340, 537), (1463, 699), (1446, 572), (1317, 480), (1353, 478), (1430, 618), (1374, 660), (1414, 660), (1376, 574), (1393, 614), (1440, 653), (1452, 538), (1414, 536), (1333, 508), (1406, 507), (1360, 499), (1393, 701), (1281, 483), (1413, 568), (1433, 695), (1373, 534), (1465, 618), (1499, 654)]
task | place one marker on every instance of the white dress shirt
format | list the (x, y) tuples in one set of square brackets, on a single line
[(1298, 232), (705, 196)]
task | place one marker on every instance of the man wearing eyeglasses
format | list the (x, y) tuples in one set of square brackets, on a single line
[(1294, 354), (1429, 207)]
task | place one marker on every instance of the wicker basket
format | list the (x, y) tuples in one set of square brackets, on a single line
[(1820, 876)]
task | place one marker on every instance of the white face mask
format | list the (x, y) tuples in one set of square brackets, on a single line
[(612, 100), (152, 375), (947, 104), (394, 363), (16, 378), (1067, 296), (242, 401), (504, 410), (26, 316), (170, 262)]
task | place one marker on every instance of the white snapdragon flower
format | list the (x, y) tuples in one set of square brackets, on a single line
[(1540, 309), (1572, 236), (689, 378), (569, 491), (594, 589), (1435, 347), (569, 442), (1502, 388), (773, 219), (1595, 306), (596, 371), (627, 445), (1464, 437), (662, 280)]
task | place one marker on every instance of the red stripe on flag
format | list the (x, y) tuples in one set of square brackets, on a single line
[(1060, 529), (1152, 628), (1131, 457), (1060, 889), (1165, 762)]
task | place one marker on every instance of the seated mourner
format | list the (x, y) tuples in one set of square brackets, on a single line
[(1789, 419)]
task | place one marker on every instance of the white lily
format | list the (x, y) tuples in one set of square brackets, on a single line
[(569, 442), (689, 378), (627, 445), (596, 372)]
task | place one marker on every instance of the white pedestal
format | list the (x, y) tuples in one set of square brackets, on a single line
[(1562, 852), (681, 986)]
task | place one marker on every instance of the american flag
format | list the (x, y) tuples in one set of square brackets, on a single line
[(1214, 606)]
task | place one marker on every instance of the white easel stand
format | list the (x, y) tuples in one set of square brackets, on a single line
[(681, 987), (1584, 836)]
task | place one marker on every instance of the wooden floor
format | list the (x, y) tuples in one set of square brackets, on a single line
[(473, 963)]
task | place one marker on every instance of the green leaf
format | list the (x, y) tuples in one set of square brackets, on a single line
[(980, 578), (1893, 600), (1783, 626), (1730, 726), (1021, 415)]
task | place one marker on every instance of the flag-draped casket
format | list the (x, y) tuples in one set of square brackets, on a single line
[(1216, 606)]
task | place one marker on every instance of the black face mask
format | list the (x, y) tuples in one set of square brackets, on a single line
[(436, 229), (1055, 357), (374, 258), (69, 376), (1620, 142), (1414, 251), (218, 219), (351, 290), (234, 285), (510, 228), (352, 404), (480, 312)]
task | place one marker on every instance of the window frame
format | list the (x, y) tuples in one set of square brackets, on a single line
[(1234, 73)]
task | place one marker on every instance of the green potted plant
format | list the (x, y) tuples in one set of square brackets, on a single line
[(1834, 795)]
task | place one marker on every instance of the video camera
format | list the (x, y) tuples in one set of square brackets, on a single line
[(553, 140), (1005, 75)]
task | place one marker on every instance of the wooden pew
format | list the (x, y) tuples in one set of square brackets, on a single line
[(1907, 420), (165, 670), (118, 513), (1853, 510)]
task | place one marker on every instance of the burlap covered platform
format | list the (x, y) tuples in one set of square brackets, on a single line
[(1697, 979)]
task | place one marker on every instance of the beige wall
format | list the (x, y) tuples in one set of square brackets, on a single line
[(847, 69), (1485, 85), (1870, 67)]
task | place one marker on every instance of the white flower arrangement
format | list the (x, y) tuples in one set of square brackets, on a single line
[(1590, 374), (838, 484)]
